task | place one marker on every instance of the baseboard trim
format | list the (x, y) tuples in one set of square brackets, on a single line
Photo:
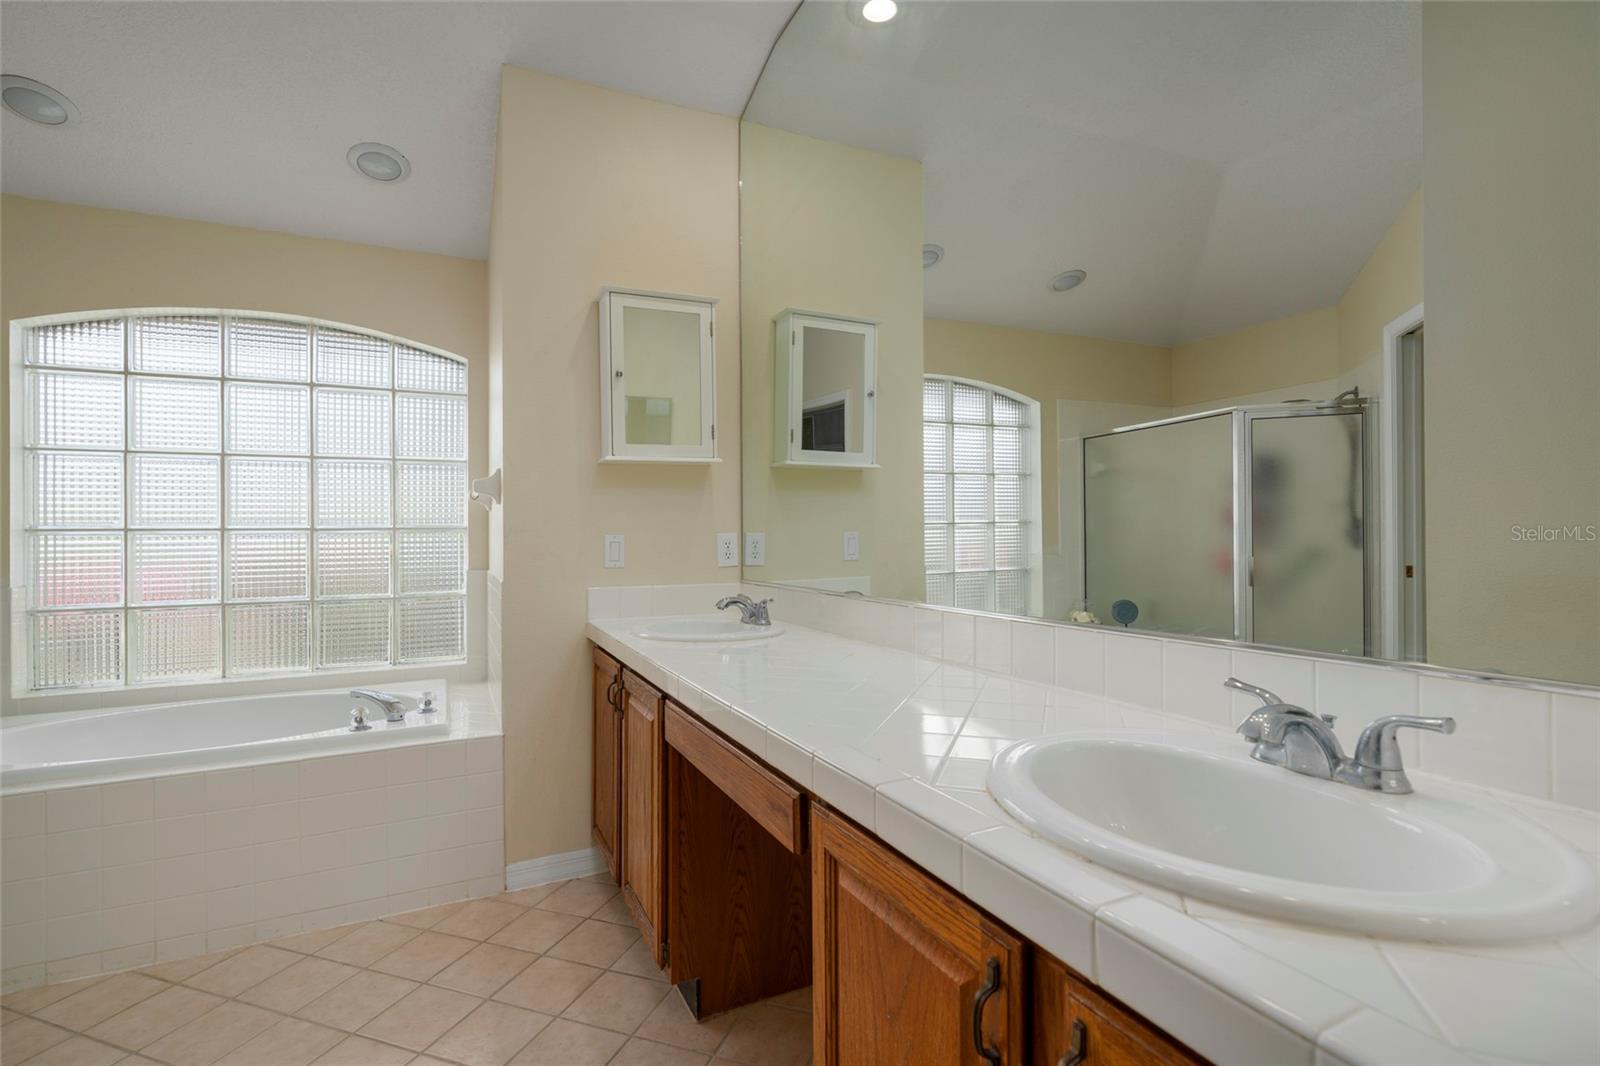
[(560, 867)]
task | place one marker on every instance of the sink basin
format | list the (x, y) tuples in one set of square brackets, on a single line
[(711, 630), (1197, 815)]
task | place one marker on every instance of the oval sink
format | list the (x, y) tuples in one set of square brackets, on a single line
[(706, 630), (1197, 815)]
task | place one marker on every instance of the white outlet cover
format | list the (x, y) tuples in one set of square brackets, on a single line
[(614, 551), (755, 549), (727, 549), (852, 547)]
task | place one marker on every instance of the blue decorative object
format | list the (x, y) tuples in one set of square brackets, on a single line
[(1124, 611)]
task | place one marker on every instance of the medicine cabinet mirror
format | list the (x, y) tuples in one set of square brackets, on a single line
[(825, 388), (657, 377)]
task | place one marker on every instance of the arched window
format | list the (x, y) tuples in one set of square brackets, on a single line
[(981, 539), (208, 494)]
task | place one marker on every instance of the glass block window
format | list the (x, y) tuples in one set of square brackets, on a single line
[(980, 457), (211, 495)]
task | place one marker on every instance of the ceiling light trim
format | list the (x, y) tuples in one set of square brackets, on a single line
[(68, 110), (371, 171)]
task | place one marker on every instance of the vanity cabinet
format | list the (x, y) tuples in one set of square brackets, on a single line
[(644, 811), (1076, 1024), (606, 793), (904, 970)]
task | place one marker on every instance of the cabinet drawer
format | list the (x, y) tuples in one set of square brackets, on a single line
[(1076, 1023), (776, 806)]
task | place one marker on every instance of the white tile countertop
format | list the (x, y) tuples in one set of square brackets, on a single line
[(901, 743)]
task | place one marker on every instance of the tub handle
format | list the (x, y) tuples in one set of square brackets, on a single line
[(358, 719)]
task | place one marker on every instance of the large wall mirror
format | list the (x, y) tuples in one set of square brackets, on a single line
[(1265, 322)]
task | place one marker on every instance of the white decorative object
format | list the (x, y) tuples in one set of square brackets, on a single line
[(825, 386), (486, 490), (658, 389)]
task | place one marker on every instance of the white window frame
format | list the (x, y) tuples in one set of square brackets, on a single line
[(22, 607), (1032, 517)]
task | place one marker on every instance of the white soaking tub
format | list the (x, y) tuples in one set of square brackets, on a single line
[(84, 747)]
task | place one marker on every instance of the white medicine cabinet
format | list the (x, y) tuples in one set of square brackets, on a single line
[(825, 386), (658, 378)]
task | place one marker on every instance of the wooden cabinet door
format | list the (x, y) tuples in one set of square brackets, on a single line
[(644, 811), (607, 791), (902, 966), (1077, 1024)]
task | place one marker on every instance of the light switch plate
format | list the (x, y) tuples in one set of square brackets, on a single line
[(727, 549), (755, 549), (614, 551), (852, 547)]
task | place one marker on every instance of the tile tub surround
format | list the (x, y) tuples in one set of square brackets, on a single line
[(552, 976), (899, 742), (112, 876)]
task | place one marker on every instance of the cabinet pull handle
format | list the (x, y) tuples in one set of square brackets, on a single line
[(1078, 1050), (990, 986), (611, 694)]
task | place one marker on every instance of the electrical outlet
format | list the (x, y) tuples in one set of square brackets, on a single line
[(755, 549), (614, 553), (852, 547), (727, 549)]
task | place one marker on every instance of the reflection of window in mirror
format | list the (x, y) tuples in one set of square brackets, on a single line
[(823, 423), (650, 420)]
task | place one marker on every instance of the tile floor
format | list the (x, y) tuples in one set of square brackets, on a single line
[(550, 975)]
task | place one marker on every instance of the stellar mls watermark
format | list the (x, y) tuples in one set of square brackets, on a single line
[(1542, 534)]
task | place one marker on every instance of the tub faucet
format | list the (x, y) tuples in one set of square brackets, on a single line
[(393, 708), (751, 612), (1292, 737)]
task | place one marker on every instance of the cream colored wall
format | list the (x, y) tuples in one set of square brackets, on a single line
[(1388, 285), (593, 187), (57, 258), (836, 229), (1271, 355), (1512, 242)]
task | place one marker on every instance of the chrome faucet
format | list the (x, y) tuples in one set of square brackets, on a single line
[(1292, 737), (392, 706), (751, 612)]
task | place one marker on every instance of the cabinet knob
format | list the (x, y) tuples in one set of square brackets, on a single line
[(990, 986), (1078, 1050)]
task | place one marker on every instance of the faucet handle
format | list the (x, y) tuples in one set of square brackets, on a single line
[(1267, 697), (358, 719), (1378, 749)]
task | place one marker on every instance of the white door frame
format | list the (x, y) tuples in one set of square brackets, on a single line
[(1391, 588)]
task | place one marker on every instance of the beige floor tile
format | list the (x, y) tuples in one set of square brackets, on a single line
[(426, 918), (212, 1035), (490, 1035), (93, 1005), (548, 985), (357, 1001), (22, 1037), (428, 1060), (637, 1052), (595, 943), (313, 941), (484, 970), (582, 898), (29, 1000), (290, 1042), (77, 1051), (671, 1023), (366, 944), (765, 1035), (245, 970), (637, 961), (602, 878), (359, 1051), (293, 987), (180, 970), (614, 910), (564, 1043), (799, 999), (151, 1019), (425, 955), (527, 897), (422, 1017), (617, 1001), (480, 919), (536, 930)]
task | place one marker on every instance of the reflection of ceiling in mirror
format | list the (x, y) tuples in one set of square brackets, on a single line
[(1211, 165)]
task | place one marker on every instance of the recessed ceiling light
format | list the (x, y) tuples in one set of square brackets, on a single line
[(378, 162), (1071, 279), (879, 10), (36, 101), (931, 254)]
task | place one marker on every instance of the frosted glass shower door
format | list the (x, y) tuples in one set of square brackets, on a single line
[(1158, 525), (1307, 493)]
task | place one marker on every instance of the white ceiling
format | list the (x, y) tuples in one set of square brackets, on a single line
[(242, 112), (1211, 165)]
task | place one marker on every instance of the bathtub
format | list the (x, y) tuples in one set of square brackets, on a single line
[(84, 747)]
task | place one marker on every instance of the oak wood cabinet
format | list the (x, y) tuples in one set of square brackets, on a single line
[(904, 970), (644, 811), (606, 793), (1075, 1024)]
